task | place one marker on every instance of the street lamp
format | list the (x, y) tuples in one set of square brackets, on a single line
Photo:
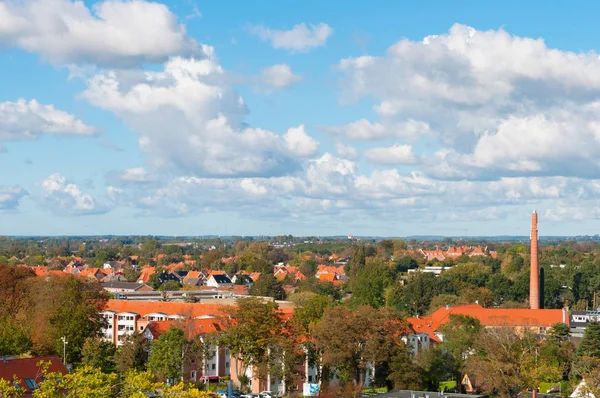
[(65, 342)]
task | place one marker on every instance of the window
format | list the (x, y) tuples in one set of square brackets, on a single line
[(31, 384), (309, 378), (214, 366), (226, 365)]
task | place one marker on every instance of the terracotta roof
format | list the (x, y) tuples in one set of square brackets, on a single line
[(26, 368), (255, 276), (192, 274), (488, 317), (195, 326), (148, 307), (145, 274)]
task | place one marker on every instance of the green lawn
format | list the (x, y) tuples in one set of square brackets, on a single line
[(447, 384), (546, 386)]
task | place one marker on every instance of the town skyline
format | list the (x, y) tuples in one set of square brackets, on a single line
[(302, 119)]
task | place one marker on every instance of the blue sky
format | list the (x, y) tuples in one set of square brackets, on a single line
[(269, 117)]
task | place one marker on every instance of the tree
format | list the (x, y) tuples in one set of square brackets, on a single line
[(590, 344), (64, 306), (268, 286), (132, 355), (506, 360), (131, 275), (405, 374), (166, 359), (404, 263), (169, 286), (357, 261), (460, 334), (173, 352), (369, 284), (349, 340), (98, 353), (251, 328)]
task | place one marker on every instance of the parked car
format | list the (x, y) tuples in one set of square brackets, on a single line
[(251, 396), (269, 394)]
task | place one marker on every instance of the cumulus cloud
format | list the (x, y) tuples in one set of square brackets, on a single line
[(188, 117), (346, 151), (331, 186), (10, 196), (112, 32), (300, 143), (300, 38), (279, 76), (137, 174), (365, 130), (67, 199), (394, 155), (496, 104), (26, 120)]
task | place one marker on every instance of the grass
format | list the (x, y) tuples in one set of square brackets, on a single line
[(546, 386), (375, 390), (447, 385)]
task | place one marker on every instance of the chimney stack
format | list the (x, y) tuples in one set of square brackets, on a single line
[(534, 277)]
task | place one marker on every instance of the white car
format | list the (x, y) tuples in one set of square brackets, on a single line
[(268, 394)]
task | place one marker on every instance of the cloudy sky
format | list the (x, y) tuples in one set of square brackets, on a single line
[(269, 117)]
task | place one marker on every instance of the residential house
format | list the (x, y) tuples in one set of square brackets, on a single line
[(216, 280), (27, 371), (116, 287)]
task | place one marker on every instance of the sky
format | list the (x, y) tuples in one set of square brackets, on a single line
[(379, 118)]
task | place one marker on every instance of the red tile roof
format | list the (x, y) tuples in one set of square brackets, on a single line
[(26, 368), (488, 317)]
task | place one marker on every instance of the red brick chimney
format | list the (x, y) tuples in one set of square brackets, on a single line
[(534, 277)]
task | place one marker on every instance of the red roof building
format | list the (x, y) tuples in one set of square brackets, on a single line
[(27, 371)]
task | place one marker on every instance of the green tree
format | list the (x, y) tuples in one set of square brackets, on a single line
[(357, 261), (251, 328), (98, 353), (590, 344), (166, 359), (132, 355), (169, 286), (507, 361), (64, 306), (460, 333), (369, 284), (268, 286)]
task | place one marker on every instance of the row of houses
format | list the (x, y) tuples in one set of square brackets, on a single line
[(455, 252)]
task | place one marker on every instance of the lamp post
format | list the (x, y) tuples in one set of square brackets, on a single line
[(65, 342)]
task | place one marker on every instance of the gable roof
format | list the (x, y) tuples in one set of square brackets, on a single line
[(221, 279), (26, 368), (488, 317)]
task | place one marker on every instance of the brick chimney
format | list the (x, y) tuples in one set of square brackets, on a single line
[(534, 277)]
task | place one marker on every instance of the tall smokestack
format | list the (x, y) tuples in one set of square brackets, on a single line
[(534, 277)]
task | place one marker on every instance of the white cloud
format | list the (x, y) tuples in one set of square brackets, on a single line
[(279, 76), (23, 120), (113, 32), (495, 104), (137, 174), (365, 130), (67, 199), (394, 155), (300, 143), (300, 38), (188, 117), (346, 151), (10, 196)]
